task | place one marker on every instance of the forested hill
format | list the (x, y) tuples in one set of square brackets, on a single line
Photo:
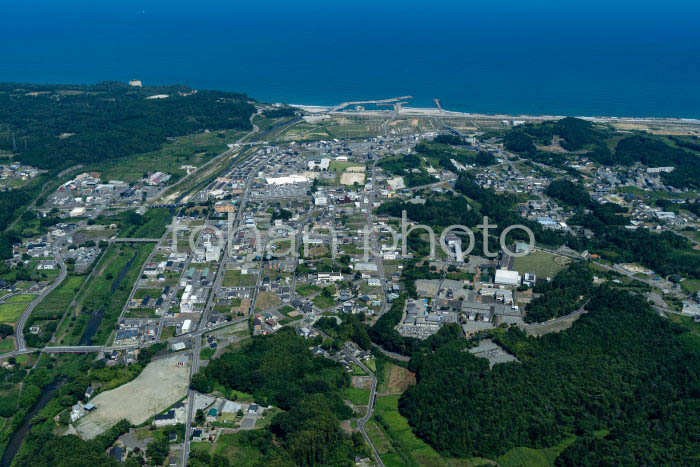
[(56, 126), (620, 368)]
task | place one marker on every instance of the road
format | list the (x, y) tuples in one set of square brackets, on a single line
[(216, 284), (106, 348), (19, 330), (370, 406)]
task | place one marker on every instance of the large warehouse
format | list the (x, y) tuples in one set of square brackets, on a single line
[(506, 277)]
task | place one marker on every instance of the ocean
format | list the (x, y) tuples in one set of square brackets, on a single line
[(614, 58)]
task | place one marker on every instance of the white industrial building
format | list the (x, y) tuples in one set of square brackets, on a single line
[(506, 277)]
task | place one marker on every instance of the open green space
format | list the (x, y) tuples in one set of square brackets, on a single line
[(234, 278), (206, 353), (7, 344), (10, 311), (691, 285), (231, 446), (357, 396), (107, 291), (194, 149), (540, 263), (56, 303), (308, 289), (324, 302)]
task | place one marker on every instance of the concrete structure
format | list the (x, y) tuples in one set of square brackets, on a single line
[(506, 277)]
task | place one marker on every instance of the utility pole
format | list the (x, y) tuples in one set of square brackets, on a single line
[(14, 143)]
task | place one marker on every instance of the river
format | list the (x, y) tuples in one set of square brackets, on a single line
[(21, 433)]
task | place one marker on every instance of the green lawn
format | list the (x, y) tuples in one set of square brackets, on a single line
[(56, 303), (168, 332), (150, 292), (686, 322), (206, 353), (691, 285), (307, 289), (356, 395), (230, 446), (324, 302), (541, 263), (10, 312), (23, 298), (234, 278), (7, 344), (141, 313), (153, 225)]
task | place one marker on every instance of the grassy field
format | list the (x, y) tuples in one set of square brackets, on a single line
[(195, 150), (168, 332), (266, 300), (338, 167), (541, 263), (230, 446), (154, 225), (395, 379), (108, 290), (206, 353), (12, 309), (308, 289), (234, 278), (324, 302), (357, 396), (691, 285), (7, 344), (686, 322), (527, 457), (56, 303)]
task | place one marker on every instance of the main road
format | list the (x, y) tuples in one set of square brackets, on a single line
[(220, 273), (19, 330)]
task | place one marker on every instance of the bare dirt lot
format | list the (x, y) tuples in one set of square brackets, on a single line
[(160, 384), (396, 379)]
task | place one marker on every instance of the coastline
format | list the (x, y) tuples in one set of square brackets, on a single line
[(434, 112)]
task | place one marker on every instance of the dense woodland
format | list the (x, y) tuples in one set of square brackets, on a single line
[(107, 120), (567, 292), (598, 375), (280, 370)]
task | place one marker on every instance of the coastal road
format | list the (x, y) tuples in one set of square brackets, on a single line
[(19, 330)]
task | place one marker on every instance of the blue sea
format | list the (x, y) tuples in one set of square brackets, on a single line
[(613, 57)]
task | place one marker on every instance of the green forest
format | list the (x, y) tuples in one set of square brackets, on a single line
[(280, 370), (60, 126), (598, 375)]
